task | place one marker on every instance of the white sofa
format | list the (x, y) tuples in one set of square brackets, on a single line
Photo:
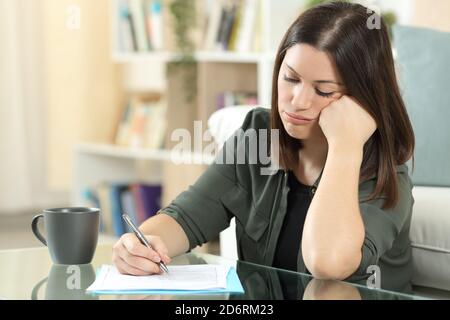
[(430, 226)]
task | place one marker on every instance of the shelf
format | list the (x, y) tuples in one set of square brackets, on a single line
[(142, 154), (201, 56)]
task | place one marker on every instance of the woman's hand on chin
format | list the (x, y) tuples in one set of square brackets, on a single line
[(345, 122)]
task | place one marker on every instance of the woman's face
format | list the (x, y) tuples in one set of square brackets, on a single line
[(307, 83)]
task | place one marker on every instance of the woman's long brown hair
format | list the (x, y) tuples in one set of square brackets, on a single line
[(364, 60)]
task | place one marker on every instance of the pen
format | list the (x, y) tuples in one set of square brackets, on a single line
[(142, 238)]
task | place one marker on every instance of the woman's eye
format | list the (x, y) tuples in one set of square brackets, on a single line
[(320, 93), (286, 78), (324, 94)]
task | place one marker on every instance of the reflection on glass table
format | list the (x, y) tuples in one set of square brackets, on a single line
[(30, 274)]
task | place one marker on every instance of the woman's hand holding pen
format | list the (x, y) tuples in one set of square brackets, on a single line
[(132, 257)]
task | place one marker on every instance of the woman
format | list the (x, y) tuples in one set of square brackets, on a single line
[(340, 205)]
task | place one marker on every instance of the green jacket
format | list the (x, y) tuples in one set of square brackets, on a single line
[(259, 204)]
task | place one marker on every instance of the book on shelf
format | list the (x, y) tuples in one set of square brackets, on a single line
[(257, 42), (91, 200), (102, 193), (234, 26), (138, 20), (139, 200), (115, 192), (228, 18), (148, 199), (235, 98), (129, 205), (140, 25), (213, 26), (247, 26), (126, 36), (154, 20), (143, 124)]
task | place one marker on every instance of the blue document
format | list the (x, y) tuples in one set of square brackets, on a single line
[(189, 279)]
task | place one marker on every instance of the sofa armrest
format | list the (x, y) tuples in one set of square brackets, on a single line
[(430, 237)]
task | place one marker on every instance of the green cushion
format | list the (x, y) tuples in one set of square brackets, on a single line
[(423, 61)]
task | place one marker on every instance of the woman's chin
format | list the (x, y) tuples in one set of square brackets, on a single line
[(297, 132)]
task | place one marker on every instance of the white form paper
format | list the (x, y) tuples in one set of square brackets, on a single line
[(186, 277)]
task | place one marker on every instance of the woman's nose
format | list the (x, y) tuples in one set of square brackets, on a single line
[(302, 97)]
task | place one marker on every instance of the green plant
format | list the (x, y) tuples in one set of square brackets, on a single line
[(390, 18), (183, 13)]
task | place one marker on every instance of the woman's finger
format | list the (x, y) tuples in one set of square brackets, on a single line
[(124, 268), (160, 247), (139, 262), (136, 248)]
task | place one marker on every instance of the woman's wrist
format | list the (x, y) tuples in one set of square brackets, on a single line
[(348, 152)]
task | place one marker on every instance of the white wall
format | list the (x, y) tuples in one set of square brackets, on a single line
[(23, 184)]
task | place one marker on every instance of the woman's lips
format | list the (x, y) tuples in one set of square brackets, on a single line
[(295, 119)]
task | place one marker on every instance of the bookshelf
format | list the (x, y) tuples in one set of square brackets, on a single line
[(274, 16)]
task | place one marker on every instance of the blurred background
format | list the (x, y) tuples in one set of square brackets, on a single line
[(90, 92)]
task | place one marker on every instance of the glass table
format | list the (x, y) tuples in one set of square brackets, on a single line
[(29, 274)]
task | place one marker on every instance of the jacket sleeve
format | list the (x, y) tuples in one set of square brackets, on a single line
[(383, 227), (199, 210)]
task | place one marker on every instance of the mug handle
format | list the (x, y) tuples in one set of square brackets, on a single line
[(35, 229), (34, 293)]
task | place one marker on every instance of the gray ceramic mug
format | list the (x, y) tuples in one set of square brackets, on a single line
[(71, 233)]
